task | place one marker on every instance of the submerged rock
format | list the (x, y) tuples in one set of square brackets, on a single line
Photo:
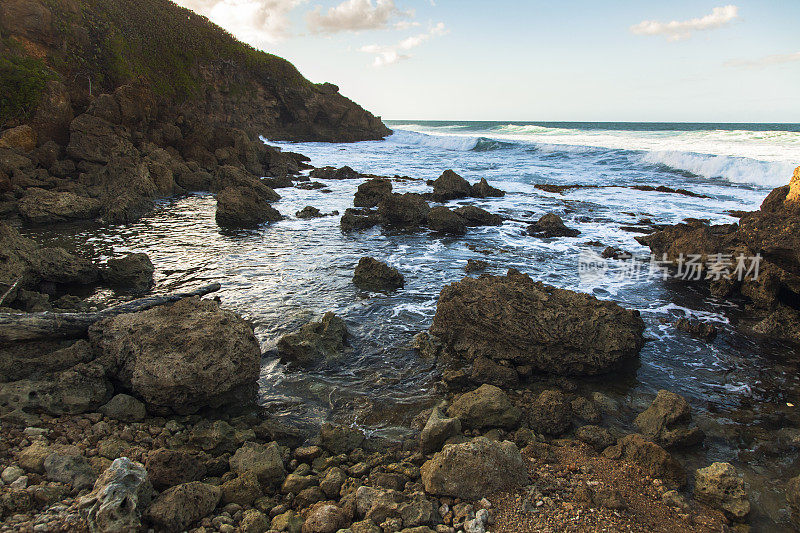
[(181, 357), (516, 319), (475, 265), (374, 275), (666, 421), (551, 225), (474, 469), (319, 340), (698, 328), (370, 193), (309, 212), (359, 219), (120, 496), (720, 486)]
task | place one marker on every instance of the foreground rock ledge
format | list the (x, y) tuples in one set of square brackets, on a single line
[(516, 319)]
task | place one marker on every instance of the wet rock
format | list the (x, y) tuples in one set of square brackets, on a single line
[(120, 496), (697, 328), (39, 206), (332, 173), (442, 220), (179, 507), (549, 226), (124, 408), (482, 189), (721, 487), (316, 341), (167, 468), (370, 193), (239, 207), (610, 252), (595, 436), (475, 216), (263, 460), (553, 330), (437, 430), (340, 439), (309, 212), (325, 518), (20, 138), (650, 456), (377, 276), (181, 357), (244, 489), (134, 273), (359, 219), (70, 468), (408, 210), (486, 406), (474, 469), (550, 413), (666, 421), (475, 265), (450, 186)]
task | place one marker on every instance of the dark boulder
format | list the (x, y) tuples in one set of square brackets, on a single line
[(359, 219), (332, 173), (370, 193), (133, 273), (550, 413), (450, 186), (666, 421), (374, 275), (482, 189), (551, 225), (319, 340), (39, 206), (408, 210), (241, 207), (475, 216), (309, 212), (442, 220)]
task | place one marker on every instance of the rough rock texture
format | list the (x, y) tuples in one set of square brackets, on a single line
[(40, 206), (374, 275), (309, 211), (793, 498), (450, 186), (408, 210), (370, 193), (167, 468), (666, 421), (550, 413), (437, 430), (554, 330), (133, 273), (442, 220), (316, 341), (181, 357), (720, 486), (551, 225), (240, 207), (697, 328), (21, 138), (119, 497), (125, 408), (359, 219), (476, 216), (340, 439), (482, 189), (650, 456), (325, 518), (177, 508), (486, 406), (263, 460), (474, 469)]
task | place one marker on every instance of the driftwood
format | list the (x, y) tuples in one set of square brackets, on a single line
[(50, 325)]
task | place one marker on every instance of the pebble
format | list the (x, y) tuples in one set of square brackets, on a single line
[(11, 474)]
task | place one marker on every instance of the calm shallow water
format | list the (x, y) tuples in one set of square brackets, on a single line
[(280, 275)]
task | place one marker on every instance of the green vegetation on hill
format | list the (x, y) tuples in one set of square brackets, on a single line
[(22, 80)]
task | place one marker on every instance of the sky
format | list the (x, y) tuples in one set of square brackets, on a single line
[(574, 60)]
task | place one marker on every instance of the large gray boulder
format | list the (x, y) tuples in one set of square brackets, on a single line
[(516, 319), (181, 357), (474, 469)]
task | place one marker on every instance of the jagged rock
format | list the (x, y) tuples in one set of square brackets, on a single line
[(697, 328), (124, 408), (263, 460), (181, 357), (340, 439), (516, 319), (32, 458), (720, 487), (650, 456), (94, 139), (254, 521), (408, 210), (377, 504), (119, 497), (450, 186), (442, 220), (243, 490), (316, 341), (486, 406), (585, 409), (374, 275), (309, 212), (178, 507), (71, 468), (39, 206), (240, 207), (551, 225), (229, 176), (485, 370), (550, 413), (611, 252), (134, 273), (167, 468), (325, 518), (597, 437), (475, 265), (20, 138), (370, 193), (474, 469), (437, 430), (331, 483), (359, 219), (332, 173), (482, 189), (666, 421), (475, 216)]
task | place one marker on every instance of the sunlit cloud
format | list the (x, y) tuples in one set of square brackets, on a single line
[(389, 55), (358, 15), (682, 29)]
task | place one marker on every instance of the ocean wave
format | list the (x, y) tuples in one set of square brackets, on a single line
[(460, 143), (731, 168)]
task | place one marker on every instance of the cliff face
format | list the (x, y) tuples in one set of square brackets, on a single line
[(56, 55)]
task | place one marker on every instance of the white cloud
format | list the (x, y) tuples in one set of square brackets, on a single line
[(766, 61), (257, 22), (677, 30), (389, 55), (356, 15)]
